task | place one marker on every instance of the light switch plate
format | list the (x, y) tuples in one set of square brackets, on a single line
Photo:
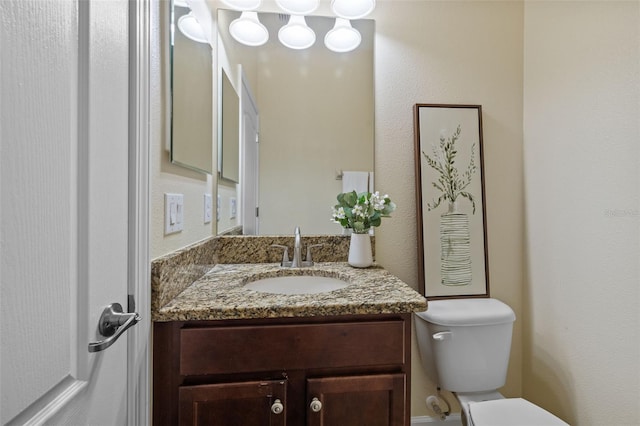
[(233, 208), (208, 208), (173, 213)]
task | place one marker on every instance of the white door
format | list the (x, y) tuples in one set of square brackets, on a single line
[(250, 160), (65, 228)]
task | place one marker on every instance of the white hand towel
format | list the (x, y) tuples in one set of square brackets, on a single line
[(355, 181)]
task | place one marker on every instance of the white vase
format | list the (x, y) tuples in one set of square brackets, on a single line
[(455, 249), (360, 255)]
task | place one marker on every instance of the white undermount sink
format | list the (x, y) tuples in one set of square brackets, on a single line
[(300, 284)]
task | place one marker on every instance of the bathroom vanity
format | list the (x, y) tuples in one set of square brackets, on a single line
[(227, 355), (344, 370)]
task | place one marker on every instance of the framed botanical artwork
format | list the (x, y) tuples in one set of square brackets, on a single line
[(450, 201)]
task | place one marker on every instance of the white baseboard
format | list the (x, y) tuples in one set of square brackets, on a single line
[(453, 419)]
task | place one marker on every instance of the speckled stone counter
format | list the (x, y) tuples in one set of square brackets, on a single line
[(219, 294), (173, 273)]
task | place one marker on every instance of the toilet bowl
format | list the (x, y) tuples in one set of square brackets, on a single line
[(464, 347)]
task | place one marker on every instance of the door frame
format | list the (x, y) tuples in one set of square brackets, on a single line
[(139, 270)]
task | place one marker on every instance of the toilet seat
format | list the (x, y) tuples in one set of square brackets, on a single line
[(510, 412)]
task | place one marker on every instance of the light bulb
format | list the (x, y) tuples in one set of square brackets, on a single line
[(190, 27), (343, 37), (296, 34), (298, 7), (352, 9), (248, 30), (242, 4)]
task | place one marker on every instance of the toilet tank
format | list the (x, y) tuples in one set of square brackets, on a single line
[(465, 343)]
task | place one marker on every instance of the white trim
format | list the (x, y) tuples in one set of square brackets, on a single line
[(139, 337), (51, 403), (62, 398), (452, 419)]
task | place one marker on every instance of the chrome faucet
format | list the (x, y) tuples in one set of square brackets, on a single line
[(297, 261), (297, 249)]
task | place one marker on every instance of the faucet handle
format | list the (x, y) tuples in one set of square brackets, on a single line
[(309, 247), (285, 253)]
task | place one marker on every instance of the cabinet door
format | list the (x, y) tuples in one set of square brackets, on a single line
[(261, 403), (376, 400)]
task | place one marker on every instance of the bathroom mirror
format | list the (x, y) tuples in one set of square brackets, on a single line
[(191, 98), (316, 120), (228, 131)]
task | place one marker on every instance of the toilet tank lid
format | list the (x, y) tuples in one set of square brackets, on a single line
[(467, 312)]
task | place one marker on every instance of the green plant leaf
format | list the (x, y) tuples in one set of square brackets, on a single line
[(350, 198)]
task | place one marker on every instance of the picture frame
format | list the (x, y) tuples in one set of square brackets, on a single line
[(450, 201)]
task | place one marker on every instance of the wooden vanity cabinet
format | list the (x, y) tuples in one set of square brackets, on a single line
[(247, 403), (373, 400), (329, 371)]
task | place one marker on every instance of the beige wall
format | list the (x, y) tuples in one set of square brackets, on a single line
[(452, 52), (581, 140)]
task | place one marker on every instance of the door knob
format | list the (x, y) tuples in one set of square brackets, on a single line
[(112, 324), (277, 407), (315, 405)]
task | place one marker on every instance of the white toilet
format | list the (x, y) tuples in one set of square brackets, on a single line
[(464, 346)]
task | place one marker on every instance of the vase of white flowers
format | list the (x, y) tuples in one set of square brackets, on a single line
[(359, 213)]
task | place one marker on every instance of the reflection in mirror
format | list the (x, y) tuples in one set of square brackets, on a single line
[(229, 131), (316, 119), (191, 99)]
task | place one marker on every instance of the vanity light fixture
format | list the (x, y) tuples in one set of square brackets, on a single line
[(248, 30), (242, 4), (298, 7), (191, 28), (352, 9), (297, 34), (343, 37)]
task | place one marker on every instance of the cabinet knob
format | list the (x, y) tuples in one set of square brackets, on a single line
[(277, 407), (315, 405)]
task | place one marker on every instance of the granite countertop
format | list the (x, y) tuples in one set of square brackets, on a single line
[(219, 294)]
